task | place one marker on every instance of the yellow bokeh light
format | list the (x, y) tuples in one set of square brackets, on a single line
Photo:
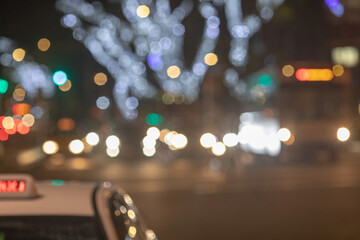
[(173, 71), (43, 44), (50, 147), (8, 123), (18, 54), (211, 59), (132, 231), (100, 79), (66, 86), (28, 120), (19, 94), (290, 141), (288, 70), (143, 11), (131, 214), (338, 70), (163, 134), (168, 98)]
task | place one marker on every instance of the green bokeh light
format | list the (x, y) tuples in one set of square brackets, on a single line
[(57, 182), (3, 86), (265, 80), (154, 119)]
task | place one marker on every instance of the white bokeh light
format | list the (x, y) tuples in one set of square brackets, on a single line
[(76, 146), (92, 138), (284, 134), (230, 139), (207, 140), (343, 134), (112, 142), (218, 149)]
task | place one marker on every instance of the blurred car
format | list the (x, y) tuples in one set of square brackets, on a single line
[(56, 209)]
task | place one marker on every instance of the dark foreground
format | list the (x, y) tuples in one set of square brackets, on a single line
[(183, 200)]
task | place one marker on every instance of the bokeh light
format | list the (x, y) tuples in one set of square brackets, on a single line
[(163, 133), (168, 98), (100, 79), (153, 132), (66, 86), (132, 231), (8, 123), (76, 146), (50, 147), (149, 142), (21, 109), (149, 152), (19, 94), (28, 120), (18, 54), (22, 128), (338, 70), (92, 138), (3, 135), (179, 141), (112, 142), (66, 124), (131, 214), (103, 103), (288, 70), (230, 139), (218, 149), (207, 140), (154, 119), (343, 134), (143, 11), (59, 77), (43, 44), (173, 71), (211, 59), (169, 136), (3, 86), (284, 134), (112, 152)]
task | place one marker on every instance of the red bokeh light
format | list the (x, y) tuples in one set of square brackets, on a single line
[(302, 74), (23, 129), (3, 135), (1, 120)]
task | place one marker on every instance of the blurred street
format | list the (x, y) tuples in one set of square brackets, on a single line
[(223, 119), (186, 200)]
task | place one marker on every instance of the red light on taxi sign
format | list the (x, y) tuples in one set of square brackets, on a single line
[(17, 186), (12, 186), (306, 74)]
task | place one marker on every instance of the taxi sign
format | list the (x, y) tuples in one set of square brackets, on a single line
[(17, 186)]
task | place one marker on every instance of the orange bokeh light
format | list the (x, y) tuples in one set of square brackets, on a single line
[(21, 109)]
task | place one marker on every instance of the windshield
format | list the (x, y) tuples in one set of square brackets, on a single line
[(223, 119), (48, 228)]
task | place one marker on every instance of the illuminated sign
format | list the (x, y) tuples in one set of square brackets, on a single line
[(12, 185), (17, 186), (306, 74)]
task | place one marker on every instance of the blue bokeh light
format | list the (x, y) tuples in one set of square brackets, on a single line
[(59, 78), (155, 61)]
